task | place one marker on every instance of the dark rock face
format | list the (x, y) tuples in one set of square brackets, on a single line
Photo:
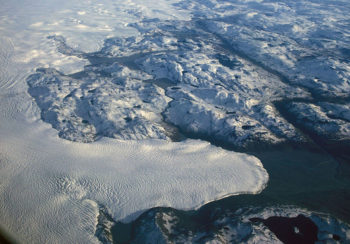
[(336, 237), (291, 230)]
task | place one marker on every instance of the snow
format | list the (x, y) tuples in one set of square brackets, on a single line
[(302, 40), (138, 87), (328, 120), (120, 74), (52, 189), (85, 109)]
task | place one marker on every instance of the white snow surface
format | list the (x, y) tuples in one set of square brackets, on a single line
[(307, 41), (50, 188), (325, 119)]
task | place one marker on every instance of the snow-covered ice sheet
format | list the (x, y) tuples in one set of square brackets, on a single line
[(50, 188)]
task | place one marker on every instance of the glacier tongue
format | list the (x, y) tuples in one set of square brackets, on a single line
[(54, 187)]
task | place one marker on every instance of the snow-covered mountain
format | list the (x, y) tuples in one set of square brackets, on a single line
[(100, 102)]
